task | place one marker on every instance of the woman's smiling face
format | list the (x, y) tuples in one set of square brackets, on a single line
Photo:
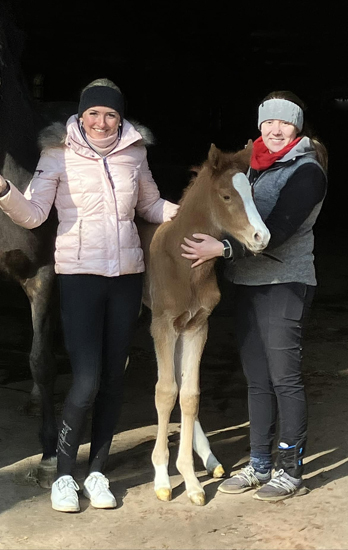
[(276, 134), (100, 122)]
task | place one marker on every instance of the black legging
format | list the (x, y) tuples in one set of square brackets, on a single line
[(269, 331), (99, 316)]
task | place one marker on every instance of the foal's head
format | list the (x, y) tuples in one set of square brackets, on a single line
[(231, 203)]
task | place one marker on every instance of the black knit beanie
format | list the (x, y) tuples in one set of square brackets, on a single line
[(101, 96)]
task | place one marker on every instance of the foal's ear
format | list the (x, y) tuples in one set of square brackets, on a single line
[(242, 157), (214, 156), (249, 146)]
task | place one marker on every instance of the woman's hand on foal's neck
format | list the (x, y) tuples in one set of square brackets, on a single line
[(204, 249)]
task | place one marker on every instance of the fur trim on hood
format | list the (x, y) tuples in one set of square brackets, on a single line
[(55, 134)]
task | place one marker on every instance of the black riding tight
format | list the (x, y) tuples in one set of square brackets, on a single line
[(99, 316), (269, 330)]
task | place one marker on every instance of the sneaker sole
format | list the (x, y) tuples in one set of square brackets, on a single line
[(300, 492), (99, 505), (237, 491), (103, 506), (65, 508)]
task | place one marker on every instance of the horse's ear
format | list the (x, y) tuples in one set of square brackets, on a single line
[(249, 145), (242, 157), (214, 156)]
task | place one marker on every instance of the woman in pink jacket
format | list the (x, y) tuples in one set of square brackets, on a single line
[(96, 174)]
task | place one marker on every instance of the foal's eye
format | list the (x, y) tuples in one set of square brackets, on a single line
[(227, 197)]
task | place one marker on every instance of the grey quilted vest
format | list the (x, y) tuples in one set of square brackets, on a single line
[(295, 254)]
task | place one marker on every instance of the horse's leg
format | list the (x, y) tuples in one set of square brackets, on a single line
[(193, 341), (41, 293), (165, 397), (202, 447)]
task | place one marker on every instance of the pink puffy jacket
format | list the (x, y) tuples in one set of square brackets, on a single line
[(96, 199)]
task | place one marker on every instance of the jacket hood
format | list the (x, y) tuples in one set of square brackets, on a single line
[(56, 134)]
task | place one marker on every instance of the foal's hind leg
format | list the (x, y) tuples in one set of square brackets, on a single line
[(166, 394), (41, 293), (202, 447)]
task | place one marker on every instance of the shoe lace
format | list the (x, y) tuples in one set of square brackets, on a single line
[(101, 482), (279, 481), (248, 474), (67, 484)]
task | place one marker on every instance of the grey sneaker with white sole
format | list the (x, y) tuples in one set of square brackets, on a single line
[(248, 478), (280, 487)]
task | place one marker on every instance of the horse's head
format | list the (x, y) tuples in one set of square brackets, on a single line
[(232, 203)]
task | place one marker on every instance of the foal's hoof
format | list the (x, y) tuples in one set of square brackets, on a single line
[(46, 472), (198, 499), (213, 467), (218, 472), (164, 494)]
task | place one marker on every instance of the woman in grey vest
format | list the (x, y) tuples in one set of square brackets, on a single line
[(273, 293)]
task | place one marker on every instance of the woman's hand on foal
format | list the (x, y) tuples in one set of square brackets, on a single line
[(3, 184), (200, 251)]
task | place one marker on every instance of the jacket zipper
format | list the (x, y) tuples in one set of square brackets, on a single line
[(108, 173), (80, 240), (113, 192)]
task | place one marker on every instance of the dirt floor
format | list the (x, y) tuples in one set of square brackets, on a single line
[(317, 520)]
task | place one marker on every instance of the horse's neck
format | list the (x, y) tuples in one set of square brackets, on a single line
[(197, 211)]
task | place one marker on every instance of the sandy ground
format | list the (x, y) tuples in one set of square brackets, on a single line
[(317, 520)]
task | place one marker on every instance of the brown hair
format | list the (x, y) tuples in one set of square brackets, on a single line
[(320, 149)]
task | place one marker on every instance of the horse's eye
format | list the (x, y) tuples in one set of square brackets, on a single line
[(227, 197)]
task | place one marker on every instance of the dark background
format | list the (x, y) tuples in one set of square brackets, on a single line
[(195, 74)]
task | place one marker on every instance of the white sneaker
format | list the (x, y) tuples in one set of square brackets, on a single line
[(96, 488), (64, 496)]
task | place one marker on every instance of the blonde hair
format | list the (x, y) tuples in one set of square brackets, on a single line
[(101, 82)]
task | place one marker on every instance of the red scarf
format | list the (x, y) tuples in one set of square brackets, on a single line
[(261, 158)]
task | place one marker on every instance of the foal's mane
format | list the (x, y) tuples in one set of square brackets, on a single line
[(195, 171), (217, 163)]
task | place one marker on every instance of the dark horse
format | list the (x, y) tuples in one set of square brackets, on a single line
[(26, 256)]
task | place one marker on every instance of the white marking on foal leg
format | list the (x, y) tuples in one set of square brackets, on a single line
[(165, 401), (162, 484), (165, 398), (202, 447)]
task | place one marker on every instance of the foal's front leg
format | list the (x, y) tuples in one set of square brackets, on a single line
[(192, 348), (165, 397)]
